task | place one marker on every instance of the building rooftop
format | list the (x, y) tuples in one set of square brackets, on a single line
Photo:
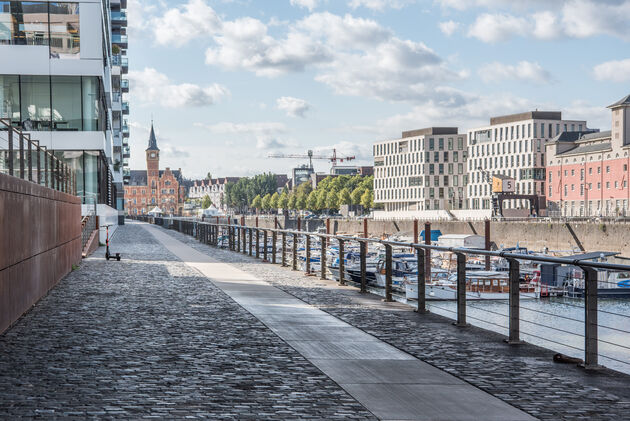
[(625, 101), (529, 115), (430, 131)]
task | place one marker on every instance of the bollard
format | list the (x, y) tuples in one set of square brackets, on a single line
[(308, 255), (590, 318), (388, 272), (322, 259), (284, 249), (363, 247), (265, 245), (422, 283), (274, 240), (294, 257), (341, 262), (514, 324), (461, 290)]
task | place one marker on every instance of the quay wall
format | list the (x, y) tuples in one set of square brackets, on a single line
[(533, 235), (40, 240)]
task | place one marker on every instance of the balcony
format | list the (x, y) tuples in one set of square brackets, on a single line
[(124, 85), (119, 39), (125, 107), (126, 152), (119, 17)]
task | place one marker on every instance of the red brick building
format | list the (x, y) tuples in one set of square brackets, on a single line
[(588, 173), (154, 187)]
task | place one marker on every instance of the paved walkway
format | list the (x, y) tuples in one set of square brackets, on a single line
[(390, 383)]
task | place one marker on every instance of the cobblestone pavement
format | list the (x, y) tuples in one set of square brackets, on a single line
[(523, 375), (148, 337)]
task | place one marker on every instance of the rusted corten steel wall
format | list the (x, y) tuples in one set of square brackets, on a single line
[(40, 240)]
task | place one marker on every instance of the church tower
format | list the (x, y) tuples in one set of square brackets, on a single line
[(153, 164)]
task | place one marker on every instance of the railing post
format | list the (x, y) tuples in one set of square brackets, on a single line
[(274, 240), (461, 290), (265, 245), (45, 167), (294, 262), (307, 266), (590, 318), (10, 150), (284, 249), (514, 323), (427, 252), (30, 159), (422, 283), (341, 262), (322, 259), (487, 238), (250, 244), (21, 155), (257, 243), (39, 164), (363, 248), (388, 272)]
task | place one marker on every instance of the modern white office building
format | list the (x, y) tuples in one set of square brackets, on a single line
[(61, 82), (512, 146), (422, 174)]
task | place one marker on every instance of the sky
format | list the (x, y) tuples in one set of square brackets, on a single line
[(228, 82)]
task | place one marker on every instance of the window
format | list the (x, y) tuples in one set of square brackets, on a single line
[(10, 93), (64, 30), (23, 23), (66, 103), (35, 102)]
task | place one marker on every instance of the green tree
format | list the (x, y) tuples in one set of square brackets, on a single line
[(257, 202), (273, 202), (206, 202), (367, 200), (321, 199), (344, 197), (356, 195), (332, 200), (292, 203), (301, 201), (209, 176), (266, 202), (311, 202), (283, 201)]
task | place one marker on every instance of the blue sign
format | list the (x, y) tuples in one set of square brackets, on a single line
[(624, 284)]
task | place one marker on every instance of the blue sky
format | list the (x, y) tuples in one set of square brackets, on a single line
[(230, 81)]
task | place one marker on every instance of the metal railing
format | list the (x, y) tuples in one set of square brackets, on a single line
[(88, 226), (23, 157), (247, 240)]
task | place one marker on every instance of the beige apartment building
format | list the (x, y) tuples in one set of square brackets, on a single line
[(421, 174)]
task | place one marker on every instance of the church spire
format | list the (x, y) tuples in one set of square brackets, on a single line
[(152, 141)]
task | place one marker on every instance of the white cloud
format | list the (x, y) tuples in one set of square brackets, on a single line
[(254, 128), (380, 5), (182, 24), (151, 86), (448, 28), (294, 107), (307, 4), (523, 71), (613, 71), (360, 151), (273, 143), (567, 18)]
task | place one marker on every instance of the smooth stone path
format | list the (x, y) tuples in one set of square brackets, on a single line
[(390, 383)]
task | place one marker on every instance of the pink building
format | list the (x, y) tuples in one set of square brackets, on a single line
[(587, 173)]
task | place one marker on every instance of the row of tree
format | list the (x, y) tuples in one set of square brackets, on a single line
[(330, 195), (241, 194)]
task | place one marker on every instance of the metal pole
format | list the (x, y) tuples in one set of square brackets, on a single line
[(341, 262), (21, 155), (251, 242), (461, 289), (308, 255), (322, 259), (10, 150), (422, 283), (388, 272), (427, 252), (274, 240), (365, 228), (294, 261), (265, 245), (30, 159), (284, 249), (45, 167), (514, 337), (487, 233), (590, 318), (257, 244), (363, 246)]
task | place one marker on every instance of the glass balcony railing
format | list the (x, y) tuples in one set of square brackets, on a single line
[(124, 83), (116, 96), (119, 15), (119, 39), (125, 107)]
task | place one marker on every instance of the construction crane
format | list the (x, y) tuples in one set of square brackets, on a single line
[(333, 158)]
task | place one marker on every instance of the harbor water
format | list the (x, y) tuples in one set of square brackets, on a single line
[(556, 324)]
